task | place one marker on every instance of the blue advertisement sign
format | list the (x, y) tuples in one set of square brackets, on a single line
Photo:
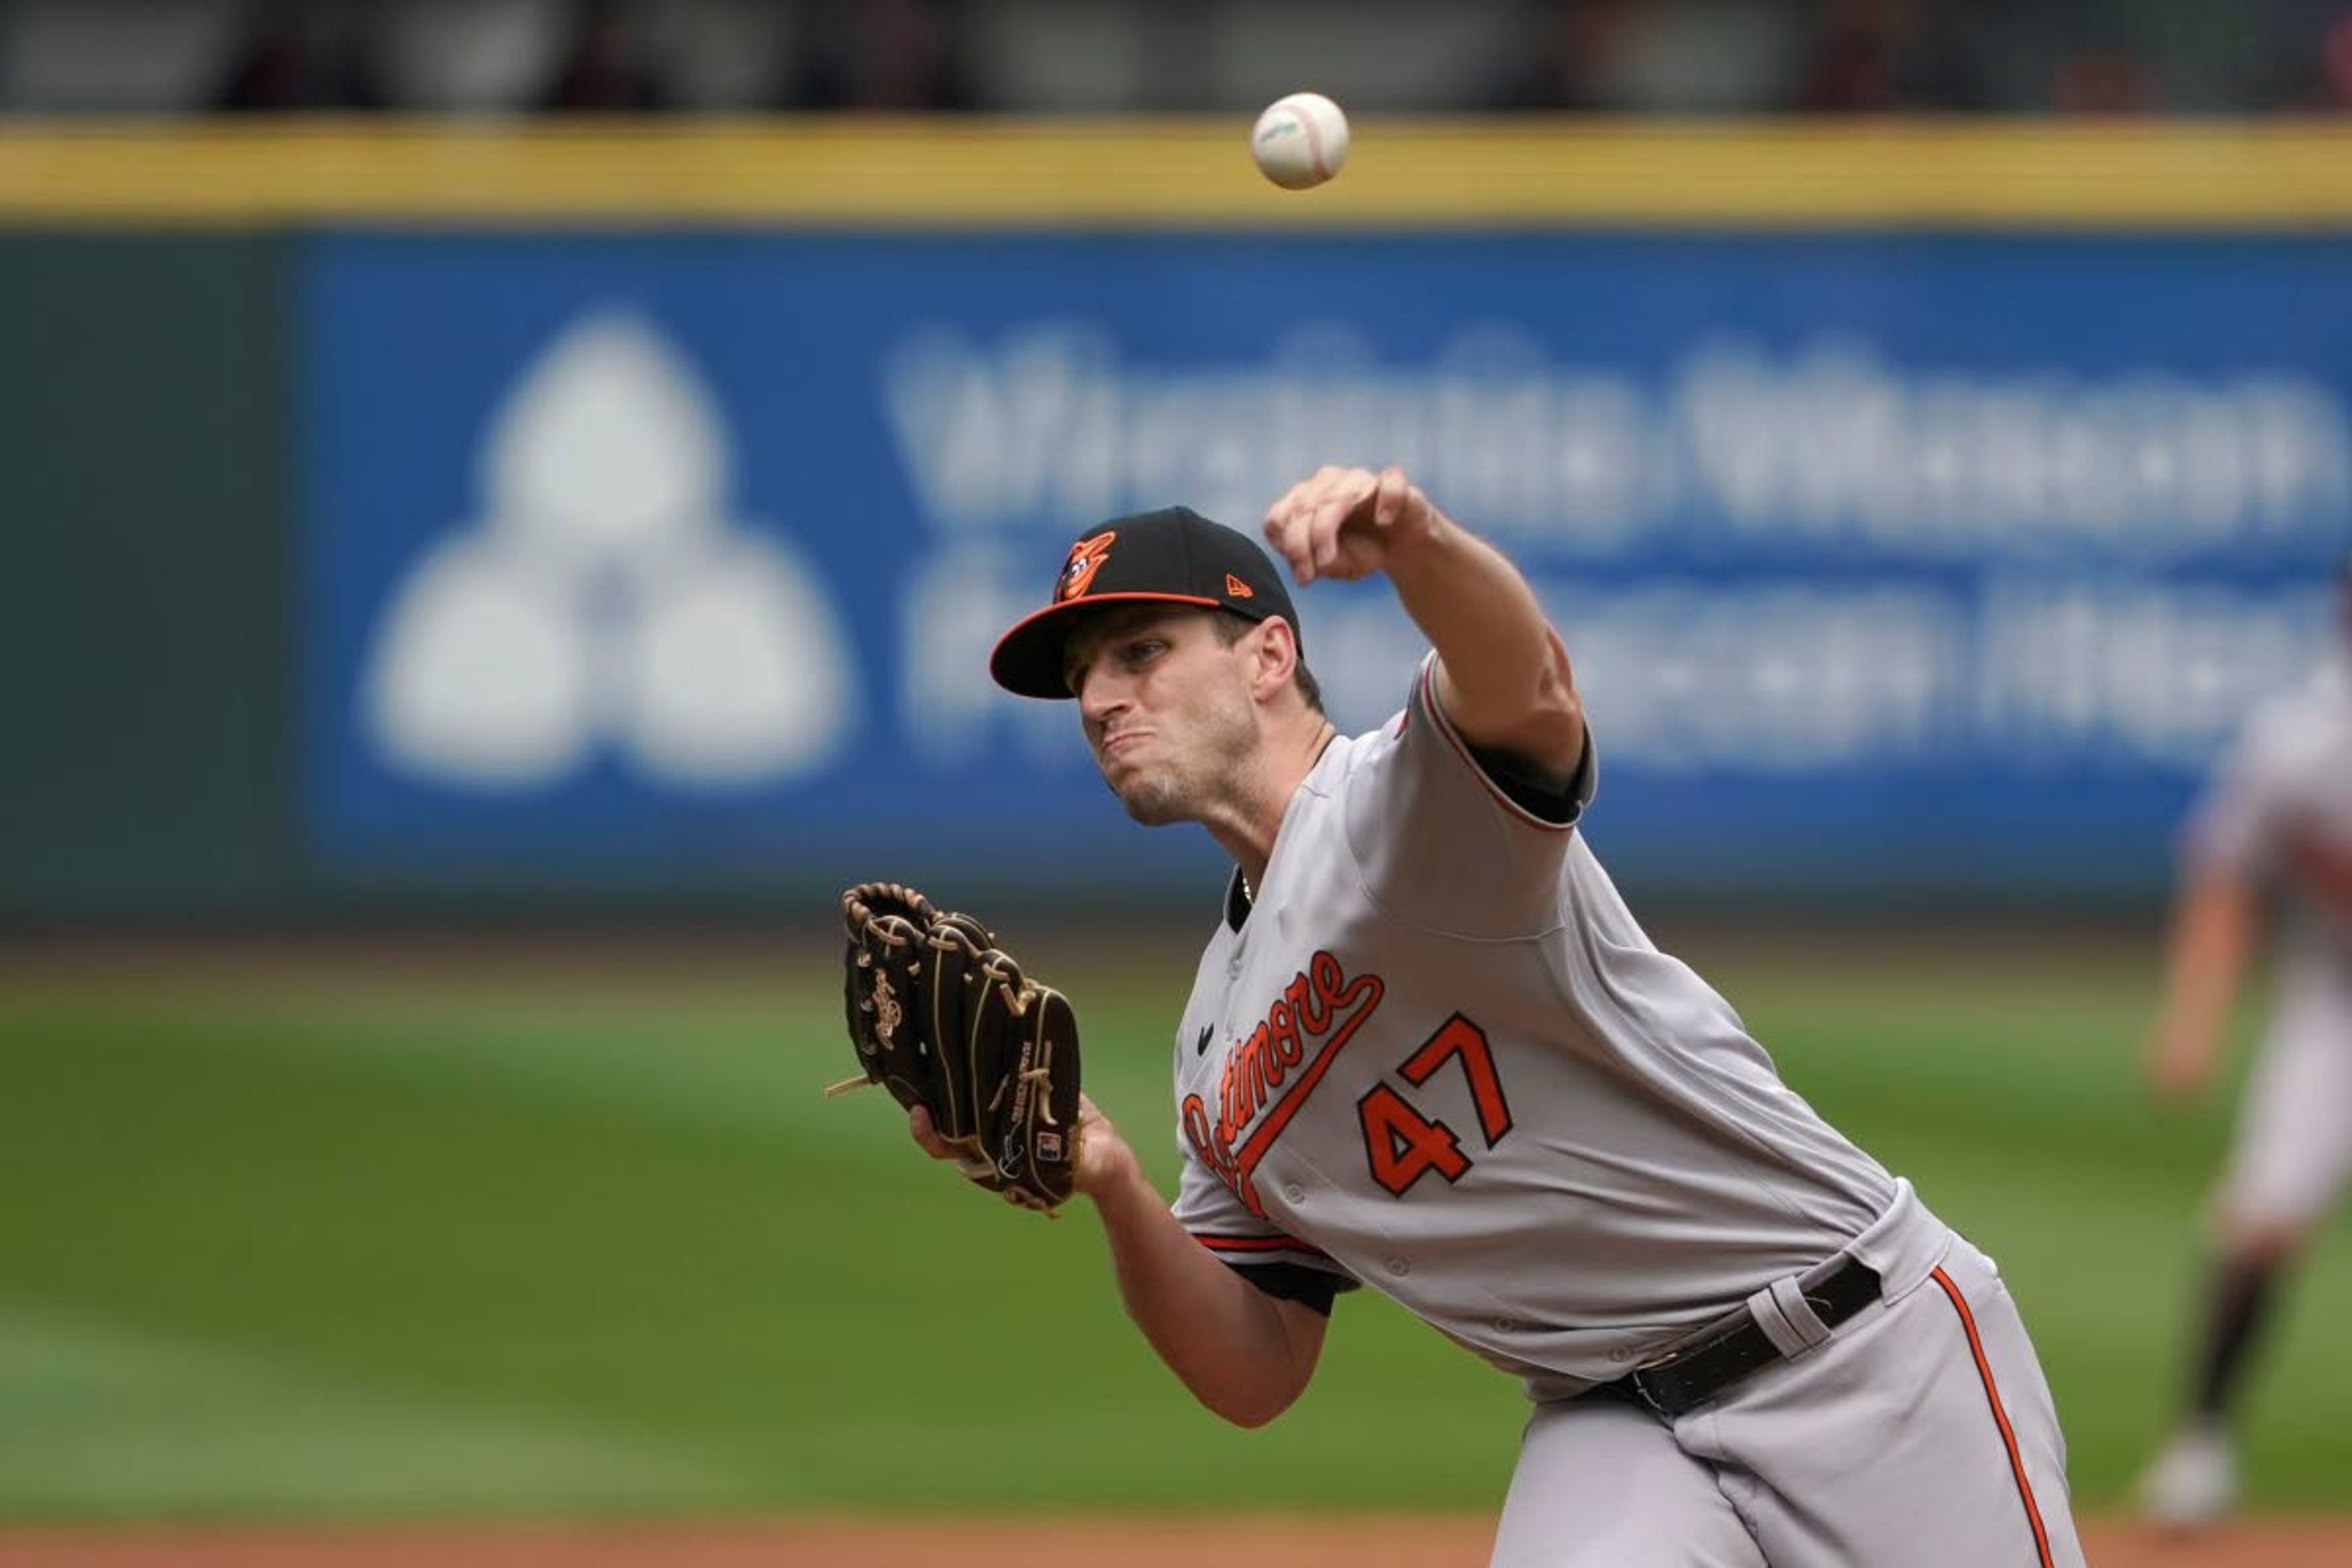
[(1932, 566)]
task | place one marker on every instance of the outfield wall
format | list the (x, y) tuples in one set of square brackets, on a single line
[(618, 519)]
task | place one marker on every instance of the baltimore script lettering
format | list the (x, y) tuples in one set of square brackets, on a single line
[(1269, 1076)]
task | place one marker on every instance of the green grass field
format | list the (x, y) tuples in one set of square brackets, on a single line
[(387, 1234)]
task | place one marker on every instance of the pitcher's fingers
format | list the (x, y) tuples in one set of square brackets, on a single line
[(1389, 499), (1286, 528), (1282, 536), (1283, 505), (1330, 516), (1340, 503), (1298, 537), (1302, 497)]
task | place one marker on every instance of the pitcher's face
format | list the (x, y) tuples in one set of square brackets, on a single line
[(1166, 708)]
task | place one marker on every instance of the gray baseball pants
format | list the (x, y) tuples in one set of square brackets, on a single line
[(1919, 1434)]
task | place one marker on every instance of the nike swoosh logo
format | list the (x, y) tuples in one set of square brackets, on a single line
[(1200, 1046)]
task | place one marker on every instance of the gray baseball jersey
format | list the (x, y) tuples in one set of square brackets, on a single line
[(1442, 1058), (1436, 1056), (2279, 814)]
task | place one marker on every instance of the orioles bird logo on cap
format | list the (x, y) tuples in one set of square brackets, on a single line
[(1087, 557)]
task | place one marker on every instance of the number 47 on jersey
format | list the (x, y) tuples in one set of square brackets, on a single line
[(1400, 1144)]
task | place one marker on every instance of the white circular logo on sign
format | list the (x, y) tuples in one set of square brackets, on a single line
[(605, 596)]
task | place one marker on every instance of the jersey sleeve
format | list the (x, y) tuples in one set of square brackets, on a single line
[(2236, 824), (1267, 1255), (1452, 838)]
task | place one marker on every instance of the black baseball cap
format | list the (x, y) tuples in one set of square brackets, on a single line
[(1172, 557)]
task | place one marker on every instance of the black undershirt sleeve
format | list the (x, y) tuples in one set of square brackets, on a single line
[(1559, 804), (1311, 1288)]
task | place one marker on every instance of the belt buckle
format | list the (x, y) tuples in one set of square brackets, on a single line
[(1640, 1380), (1682, 1351)]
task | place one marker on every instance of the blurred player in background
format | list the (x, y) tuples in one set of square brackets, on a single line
[(2275, 829)]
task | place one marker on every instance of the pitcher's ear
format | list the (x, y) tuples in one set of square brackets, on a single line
[(1277, 655)]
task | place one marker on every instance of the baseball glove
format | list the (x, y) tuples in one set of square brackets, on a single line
[(943, 1018)]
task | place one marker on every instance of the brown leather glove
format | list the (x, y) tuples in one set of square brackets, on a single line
[(943, 1018)]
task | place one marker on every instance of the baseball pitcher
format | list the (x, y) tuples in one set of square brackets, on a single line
[(1428, 1050)]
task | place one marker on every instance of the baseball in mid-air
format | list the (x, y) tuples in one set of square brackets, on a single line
[(1300, 141)]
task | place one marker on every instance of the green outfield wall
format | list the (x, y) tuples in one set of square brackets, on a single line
[(143, 670)]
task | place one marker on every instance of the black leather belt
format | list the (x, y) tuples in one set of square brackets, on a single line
[(1720, 1354)]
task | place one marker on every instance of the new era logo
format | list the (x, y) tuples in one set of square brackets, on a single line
[(1236, 588)]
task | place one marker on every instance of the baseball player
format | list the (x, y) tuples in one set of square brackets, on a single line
[(2274, 827), (1428, 1050)]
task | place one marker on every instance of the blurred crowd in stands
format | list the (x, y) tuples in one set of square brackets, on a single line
[(1064, 56)]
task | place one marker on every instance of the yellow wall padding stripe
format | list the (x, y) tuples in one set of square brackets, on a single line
[(1125, 173)]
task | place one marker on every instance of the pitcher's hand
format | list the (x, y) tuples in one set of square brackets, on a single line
[(1349, 522)]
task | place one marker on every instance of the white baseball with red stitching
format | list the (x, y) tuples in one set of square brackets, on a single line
[(1300, 141)]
